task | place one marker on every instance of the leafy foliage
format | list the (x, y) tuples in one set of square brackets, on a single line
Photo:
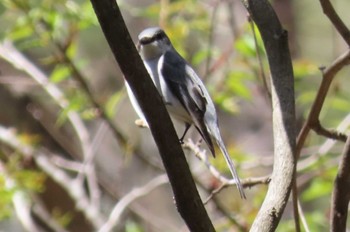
[(49, 33)]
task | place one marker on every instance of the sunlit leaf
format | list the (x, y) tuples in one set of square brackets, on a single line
[(132, 226), (319, 188), (113, 102), (246, 46), (60, 73)]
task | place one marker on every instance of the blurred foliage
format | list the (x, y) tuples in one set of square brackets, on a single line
[(15, 178), (63, 218), (132, 226), (48, 31), (6, 195)]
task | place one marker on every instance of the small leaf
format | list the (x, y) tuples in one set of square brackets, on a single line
[(60, 73), (113, 103), (319, 188)]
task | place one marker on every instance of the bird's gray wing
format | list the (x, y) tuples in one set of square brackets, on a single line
[(187, 90)]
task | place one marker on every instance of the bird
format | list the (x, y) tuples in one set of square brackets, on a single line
[(184, 94)]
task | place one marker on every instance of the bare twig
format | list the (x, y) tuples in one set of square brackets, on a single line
[(132, 196), (324, 148), (336, 20), (332, 134), (202, 156), (248, 182), (213, 22), (261, 73), (341, 194), (302, 217), (45, 217), (313, 118), (225, 182)]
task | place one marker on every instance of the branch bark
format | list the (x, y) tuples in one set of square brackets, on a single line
[(275, 40), (341, 194), (186, 195), (329, 10)]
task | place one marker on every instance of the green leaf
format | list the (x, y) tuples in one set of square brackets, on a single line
[(319, 188), (132, 226), (246, 45), (237, 85), (21, 33), (113, 103), (60, 73)]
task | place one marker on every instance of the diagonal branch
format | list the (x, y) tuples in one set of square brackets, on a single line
[(313, 118), (329, 10), (186, 195), (134, 194)]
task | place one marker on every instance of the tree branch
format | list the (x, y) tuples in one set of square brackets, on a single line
[(74, 188), (341, 194), (328, 10), (186, 195), (313, 118), (134, 194), (275, 39)]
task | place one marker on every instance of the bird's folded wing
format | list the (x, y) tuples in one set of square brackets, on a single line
[(181, 81)]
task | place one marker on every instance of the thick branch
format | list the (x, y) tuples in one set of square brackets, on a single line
[(341, 194), (186, 195), (282, 89)]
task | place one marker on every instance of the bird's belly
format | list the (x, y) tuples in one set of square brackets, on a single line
[(178, 112), (174, 107)]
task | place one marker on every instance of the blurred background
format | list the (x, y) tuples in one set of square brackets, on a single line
[(71, 156)]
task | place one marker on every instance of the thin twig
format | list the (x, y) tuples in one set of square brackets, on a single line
[(302, 217), (313, 118), (212, 26), (40, 211), (329, 10), (261, 66), (324, 148), (132, 196), (225, 182)]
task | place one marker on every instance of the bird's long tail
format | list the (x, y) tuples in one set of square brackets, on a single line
[(230, 165)]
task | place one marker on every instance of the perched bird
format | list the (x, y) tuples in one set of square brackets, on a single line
[(183, 92)]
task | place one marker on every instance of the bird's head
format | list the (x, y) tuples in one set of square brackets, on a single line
[(153, 42)]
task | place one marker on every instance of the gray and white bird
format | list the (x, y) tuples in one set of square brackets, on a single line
[(183, 92)]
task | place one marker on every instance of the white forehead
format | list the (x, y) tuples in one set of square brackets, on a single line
[(149, 32)]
